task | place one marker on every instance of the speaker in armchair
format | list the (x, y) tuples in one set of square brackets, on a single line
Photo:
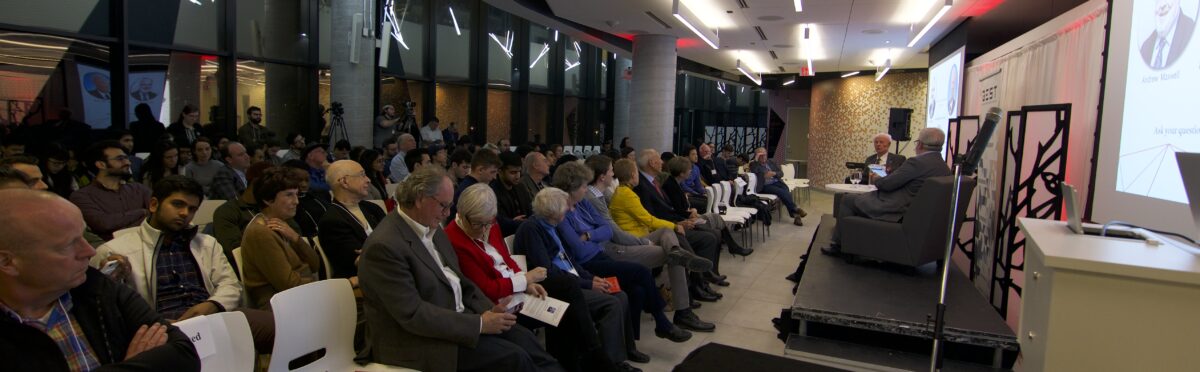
[(920, 236)]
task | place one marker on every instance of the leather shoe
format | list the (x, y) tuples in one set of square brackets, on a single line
[(798, 221), (625, 367), (675, 334), (707, 288), (688, 320), (801, 212), (637, 356), (688, 260), (695, 304), (832, 250), (699, 294), (740, 251), (716, 280)]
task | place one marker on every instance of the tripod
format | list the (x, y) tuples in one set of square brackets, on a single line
[(337, 124)]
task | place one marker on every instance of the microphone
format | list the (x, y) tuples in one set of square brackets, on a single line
[(975, 153)]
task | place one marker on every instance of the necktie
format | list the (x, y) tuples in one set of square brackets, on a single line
[(1158, 54)]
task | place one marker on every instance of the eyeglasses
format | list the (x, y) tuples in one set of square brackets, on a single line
[(481, 225), (445, 205), (120, 158)]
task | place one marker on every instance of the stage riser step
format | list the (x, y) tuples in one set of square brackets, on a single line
[(860, 357)]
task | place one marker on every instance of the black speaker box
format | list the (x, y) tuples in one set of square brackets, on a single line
[(898, 123)]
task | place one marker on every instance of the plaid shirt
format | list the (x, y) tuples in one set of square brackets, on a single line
[(62, 328), (179, 284)]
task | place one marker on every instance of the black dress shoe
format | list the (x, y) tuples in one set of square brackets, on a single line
[(739, 251), (625, 367), (832, 250), (688, 260), (637, 356), (702, 295), (695, 304), (708, 277), (675, 334), (705, 287), (689, 321)]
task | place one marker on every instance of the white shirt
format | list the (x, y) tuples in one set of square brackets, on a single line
[(430, 135), (426, 235), (882, 159)]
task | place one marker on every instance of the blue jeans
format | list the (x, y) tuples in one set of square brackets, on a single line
[(785, 195)]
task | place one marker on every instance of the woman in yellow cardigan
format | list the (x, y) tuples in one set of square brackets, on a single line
[(275, 257), (626, 207)]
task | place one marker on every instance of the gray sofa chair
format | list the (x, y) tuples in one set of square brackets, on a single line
[(920, 236)]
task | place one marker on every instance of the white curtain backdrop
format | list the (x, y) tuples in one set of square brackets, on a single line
[(1061, 65)]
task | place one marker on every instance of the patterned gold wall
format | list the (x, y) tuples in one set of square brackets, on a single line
[(847, 113)]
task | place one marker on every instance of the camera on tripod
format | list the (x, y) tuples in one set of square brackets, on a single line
[(410, 108), (336, 109)]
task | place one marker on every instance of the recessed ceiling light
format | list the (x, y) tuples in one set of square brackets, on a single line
[(873, 31), (770, 18)]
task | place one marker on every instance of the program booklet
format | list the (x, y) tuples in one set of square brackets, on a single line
[(548, 310)]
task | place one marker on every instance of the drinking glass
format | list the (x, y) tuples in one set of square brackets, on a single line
[(855, 177)]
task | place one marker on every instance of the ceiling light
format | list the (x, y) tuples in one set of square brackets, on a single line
[(685, 16), (940, 13), (457, 31), (849, 74), (789, 82), (545, 48), (799, 6), (886, 66), (756, 80)]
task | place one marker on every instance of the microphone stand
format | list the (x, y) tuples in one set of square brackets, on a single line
[(939, 324)]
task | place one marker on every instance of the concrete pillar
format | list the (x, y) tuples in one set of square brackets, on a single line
[(353, 84), (184, 80), (621, 101), (652, 92)]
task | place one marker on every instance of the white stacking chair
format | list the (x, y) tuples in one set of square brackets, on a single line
[(204, 214), (520, 260), (794, 184), (315, 316), (726, 191), (595, 150), (223, 341), (734, 218), (391, 190), (324, 258), (752, 184), (512, 148), (508, 240), (241, 272), (142, 155)]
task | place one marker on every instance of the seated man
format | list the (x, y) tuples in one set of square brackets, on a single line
[(898, 189), (535, 169), (889, 161), (770, 182), (201, 281), (58, 314), (230, 181), (28, 166), (397, 170), (514, 202), (484, 166), (13, 179), (352, 218), (317, 159), (110, 203), (421, 312), (416, 159)]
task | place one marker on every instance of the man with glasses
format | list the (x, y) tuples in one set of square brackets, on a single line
[(345, 226), (110, 202), (421, 311)]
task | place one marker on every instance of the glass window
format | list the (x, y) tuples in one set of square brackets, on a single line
[(453, 105), (572, 65), (539, 114), (324, 88), (46, 79), (325, 34), (605, 59), (407, 96), (166, 82), (541, 41), (453, 21), (274, 29), (499, 115), (83, 16), (571, 120), (179, 22), (406, 23), (282, 94), (500, 38)]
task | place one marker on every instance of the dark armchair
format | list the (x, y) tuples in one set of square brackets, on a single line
[(920, 237)]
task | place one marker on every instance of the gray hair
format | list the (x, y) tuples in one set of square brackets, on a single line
[(527, 162), (884, 135), (422, 183), (571, 176), (551, 202), (644, 157), (405, 136), (679, 165), (932, 139), (478, 201)]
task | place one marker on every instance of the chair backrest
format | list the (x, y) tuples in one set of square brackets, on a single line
[(223, 341), (751, 183), (391, 190), (789, 171), (311, 317), (710, 205), (928, 214), (237, 260), (520, 260), (722, 193), (204, 215), (324, 258), (508, 241)]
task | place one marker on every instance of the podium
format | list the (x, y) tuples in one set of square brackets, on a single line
[(1094, 303)]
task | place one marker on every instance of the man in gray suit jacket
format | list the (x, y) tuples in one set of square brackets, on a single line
[(421, 311), (898, 188)]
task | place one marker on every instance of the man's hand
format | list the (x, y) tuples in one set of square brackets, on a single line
[(203, 308), (679, 229), (123, 271), (687, 224), (146, 338), (497, 319), (536, 275), (692, 213), (535, 290), (873, 177), (769, 174), (600, 285)]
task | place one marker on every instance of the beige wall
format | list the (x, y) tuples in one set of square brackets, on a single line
[(847, 113)]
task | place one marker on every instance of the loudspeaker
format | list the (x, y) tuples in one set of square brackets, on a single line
[(898, 121)]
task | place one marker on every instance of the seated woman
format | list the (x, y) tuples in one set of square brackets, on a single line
[(584, 231), (538, 238), (274, 256), (681, 169), (484, 259), (163, 162), (203, 167)]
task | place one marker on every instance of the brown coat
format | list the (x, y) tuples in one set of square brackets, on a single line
[(272, 265)]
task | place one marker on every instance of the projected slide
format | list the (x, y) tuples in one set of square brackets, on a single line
[(1160, 116), (97, 96), (945, 91)]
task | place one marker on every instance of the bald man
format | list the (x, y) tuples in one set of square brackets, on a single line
[(346, 225), (56, 313)]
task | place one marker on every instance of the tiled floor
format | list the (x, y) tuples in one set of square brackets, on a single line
[(757, 293)]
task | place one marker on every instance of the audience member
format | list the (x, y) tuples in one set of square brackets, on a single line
[(629, 153), (341, 150), (899, 188), (28, 168), (13, 179), (431, 133), (58, 313), (110, 202), (484, 167), (296, 144), (679, 169), (389, 151), (514, 202), (345, 227), (385, 125), (438, 156), (450, 134), (485, 260), (203, 167), (692, 186), (317, 158), (605, 146), (416, 159), (254, 131), (126, 140), (770, 181), (729, 160), (231, 218), (372, 163), (313, 204), (12, 147), (230, 180), (146, 130), (702, 236), (542, 245), (460, 164), (625, 143), (712, 171), (404, 143), (425, 316), (275, 257), (186, 129), (200, 281), (163, 162), (503, 143), (57, 177), (534, 169)]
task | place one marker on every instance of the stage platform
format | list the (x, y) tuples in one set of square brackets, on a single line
[(852, 308)]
